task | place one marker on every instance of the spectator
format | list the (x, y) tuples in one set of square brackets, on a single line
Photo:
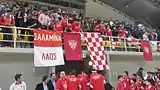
[(43, 85), (7, 20), (52, 82), (145, 36), (44, 20), (76, 26), (18, 84)]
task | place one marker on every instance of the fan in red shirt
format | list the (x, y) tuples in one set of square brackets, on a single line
[(96, 81), (73, 83), (7, 20), (99, 27), (120, 84), (83, 79), (62, 82), (140, 83), (122, 33), (108, 31), (58, 26), (76, 26), (150, 85), (133, 85), (157, 83), (126, 80)]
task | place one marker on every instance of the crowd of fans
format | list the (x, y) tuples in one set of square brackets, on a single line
[(23, 14), (139, 81), (93, 81)]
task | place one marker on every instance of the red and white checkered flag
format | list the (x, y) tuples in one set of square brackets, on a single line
[(96, 50)]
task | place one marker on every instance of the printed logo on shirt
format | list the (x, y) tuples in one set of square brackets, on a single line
[(146, 49)]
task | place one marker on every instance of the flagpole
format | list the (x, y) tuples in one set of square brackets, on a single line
[(109, 64)]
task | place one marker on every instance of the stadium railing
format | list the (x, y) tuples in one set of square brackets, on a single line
[(110, 43)]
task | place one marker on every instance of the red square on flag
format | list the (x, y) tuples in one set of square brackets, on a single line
[(147, 52)]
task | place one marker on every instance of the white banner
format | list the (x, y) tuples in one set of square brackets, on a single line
[(47, 48)]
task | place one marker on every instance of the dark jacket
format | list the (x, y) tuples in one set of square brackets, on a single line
[(50, 85), (39, 86)]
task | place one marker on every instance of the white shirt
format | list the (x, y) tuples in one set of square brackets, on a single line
[(15, 86), (145, 37), (44, 19)]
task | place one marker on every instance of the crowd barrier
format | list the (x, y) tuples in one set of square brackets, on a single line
[(23, 38)]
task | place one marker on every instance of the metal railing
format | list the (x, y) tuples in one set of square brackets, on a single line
[(23, 38)]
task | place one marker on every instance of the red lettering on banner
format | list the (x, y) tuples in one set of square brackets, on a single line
[(49, 56)]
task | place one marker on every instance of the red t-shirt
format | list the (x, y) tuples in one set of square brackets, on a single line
[(58, 26), (83, 79), (133, 87), (150, 88), (127, 83), (76, 26), (139, 84), (108, 32), (73, 83), (7, 20), (120, 85), (62, 84), (97, 81), (99, 28)]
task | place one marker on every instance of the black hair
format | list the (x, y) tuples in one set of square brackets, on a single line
[(126, 72), (17, 76), (44, 78), (51, 74), (73, 72), (151, 81), (120, 76), (134, 74), (133, 79)]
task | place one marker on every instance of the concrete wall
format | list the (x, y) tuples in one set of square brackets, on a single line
[(96, 10), (12, 63)]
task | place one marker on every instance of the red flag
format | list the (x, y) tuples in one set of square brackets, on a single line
[(147, 52), (72, 46)]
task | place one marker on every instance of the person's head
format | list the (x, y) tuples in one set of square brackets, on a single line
[(45, 79), (133, 81), (149, 82), (9, 11), (18, 77), (134, 75), (139, 76), (83, 72), (120, 77), (62, 74), (148, 73), (125, 74), (99, 22), (156, 70), (53, 76), (141, 69)]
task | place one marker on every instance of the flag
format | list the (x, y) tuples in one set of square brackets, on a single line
[(147, 52), (47, 48), (96, 51), (72, 46)]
